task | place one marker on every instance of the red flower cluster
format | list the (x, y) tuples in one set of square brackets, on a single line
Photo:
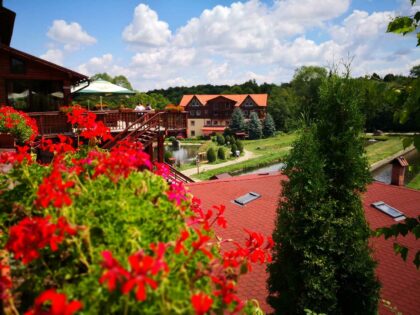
[(53, 190), (226, 289), (32, 234), (177, 193), (206, 219), (16, 157), (143, 267), (11, 118), (201, 303), (87, 124), (64, 145), (123, 159), (58, 304), (253, 251)]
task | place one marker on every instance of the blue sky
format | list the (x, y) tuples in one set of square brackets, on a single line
[(161, 43)]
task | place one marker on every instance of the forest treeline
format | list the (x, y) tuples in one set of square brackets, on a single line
[(383, 99)]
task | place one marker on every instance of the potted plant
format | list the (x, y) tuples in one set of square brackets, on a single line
[(16, 126)]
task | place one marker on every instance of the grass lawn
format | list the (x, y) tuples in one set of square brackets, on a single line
[(273, 150), (383, 149), (415, 182), (269, 151)]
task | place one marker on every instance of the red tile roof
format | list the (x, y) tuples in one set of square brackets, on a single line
[(400, 280), (259, 99)]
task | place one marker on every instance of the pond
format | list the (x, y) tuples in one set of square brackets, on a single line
[(184, 154)]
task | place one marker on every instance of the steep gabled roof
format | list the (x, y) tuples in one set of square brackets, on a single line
[(73, 75), (400, 280), (259, 99)]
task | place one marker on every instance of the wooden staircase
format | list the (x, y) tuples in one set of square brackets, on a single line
[(146, 129)]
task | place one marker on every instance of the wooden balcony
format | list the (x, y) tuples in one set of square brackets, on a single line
[(53, 123)]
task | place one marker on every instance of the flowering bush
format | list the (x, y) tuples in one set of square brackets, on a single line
[(17, 123), (103, 232)]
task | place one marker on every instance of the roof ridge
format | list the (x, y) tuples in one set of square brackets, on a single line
[(395, 186), (236, 178)]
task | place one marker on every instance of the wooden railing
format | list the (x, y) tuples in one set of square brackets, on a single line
[(53, 123), (177, 175)]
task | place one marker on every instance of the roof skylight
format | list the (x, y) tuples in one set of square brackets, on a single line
[(243, 200), (387, 209)]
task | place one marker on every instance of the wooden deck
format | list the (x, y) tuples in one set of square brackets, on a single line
[(50, 124)]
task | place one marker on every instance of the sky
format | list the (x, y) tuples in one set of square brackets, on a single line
[(162, 43)]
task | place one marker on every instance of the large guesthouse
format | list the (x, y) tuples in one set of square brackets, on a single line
[(209, 114)]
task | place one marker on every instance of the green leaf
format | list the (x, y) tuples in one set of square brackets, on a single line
[(416, 260), (401, 250), (413, 2), (417, 16), (418, 39), (401, 25), (417, 141)]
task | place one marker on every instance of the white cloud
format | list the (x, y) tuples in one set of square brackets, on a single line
[(54, 56), (254, 40), (71, 35), (146, 29)]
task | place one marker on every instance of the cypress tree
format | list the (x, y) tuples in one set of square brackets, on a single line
[(254, 127), (221, 154), (322, 260), (237, 122), (269, 127), (211, 155)]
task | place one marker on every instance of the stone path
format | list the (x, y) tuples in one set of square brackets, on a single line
[(207, 167)]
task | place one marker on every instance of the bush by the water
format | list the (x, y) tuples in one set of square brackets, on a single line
[(211, 155), (221, 154), (220, 140)]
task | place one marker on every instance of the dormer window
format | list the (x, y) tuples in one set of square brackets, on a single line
[(195, 102), (248, 103)]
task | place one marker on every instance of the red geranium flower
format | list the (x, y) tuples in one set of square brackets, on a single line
[(58, 304), (201, 303)]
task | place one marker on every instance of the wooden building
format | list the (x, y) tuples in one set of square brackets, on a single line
[(212, 113), (29, 83)]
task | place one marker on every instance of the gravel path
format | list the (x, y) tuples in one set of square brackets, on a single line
[(207, 167)]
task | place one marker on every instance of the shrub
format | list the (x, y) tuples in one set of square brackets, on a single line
[(211, 155), (233, 149), (18, 124), (228, 139), (167, 156), (92, 232), (221, 154), (220, 140), (240, 146)]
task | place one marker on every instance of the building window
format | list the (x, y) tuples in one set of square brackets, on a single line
[(195, 103), (198, 113), (17, 66), (227, 106), (191, 113), (227, 123), (206, 112), (192, 133), (215, 122), (208, 122), (192, 122)]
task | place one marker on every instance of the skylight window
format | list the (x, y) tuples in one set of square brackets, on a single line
[(243, 200), (387, 209)]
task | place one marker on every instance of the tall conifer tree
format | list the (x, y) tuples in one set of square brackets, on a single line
[(322, 260)]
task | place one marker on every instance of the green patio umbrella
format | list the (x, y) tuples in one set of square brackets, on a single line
[(102, 88)]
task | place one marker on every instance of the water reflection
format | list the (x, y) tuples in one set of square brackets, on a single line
[(184, 154)]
